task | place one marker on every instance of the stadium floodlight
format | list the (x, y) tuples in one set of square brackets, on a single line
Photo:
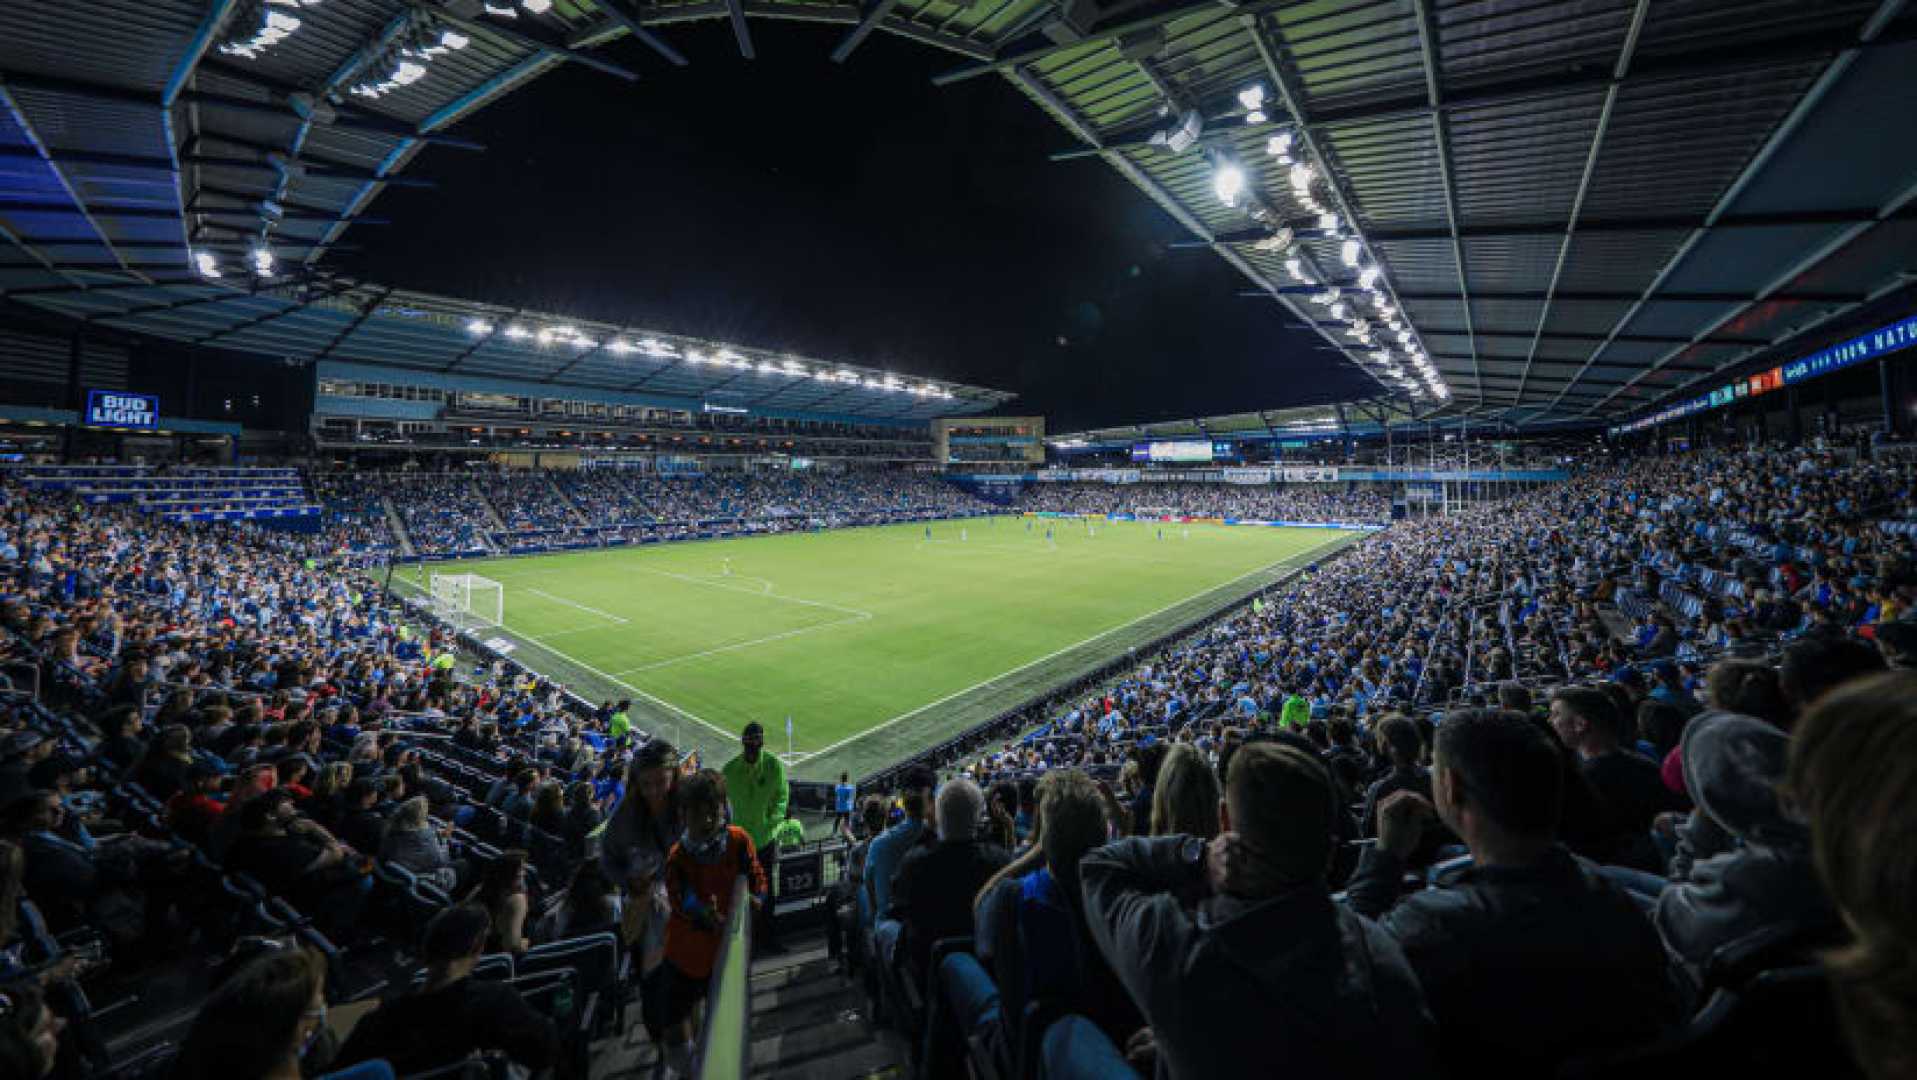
[(653, 347), (263, 262), (478, 327), (1228, 181), (1338, 309), (537, 7), (1279, 145), (1443, 392), (518, 332), (506, 10), (1296, 268), (694, 356), (1252, 97), (1183, 134), (454, 40), (1385, 308), (545, 336), (1256, 116), (618, 348), (1351, 252), (206, 264), (1369, 276), (1328, 222)]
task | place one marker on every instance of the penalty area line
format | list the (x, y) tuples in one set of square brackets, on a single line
[(579, 606)]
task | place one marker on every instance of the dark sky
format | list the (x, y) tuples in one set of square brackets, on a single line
[(850, 212)]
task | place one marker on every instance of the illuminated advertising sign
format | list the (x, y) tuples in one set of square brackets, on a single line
[(1180, 452), (111, 408), (1879, 342)]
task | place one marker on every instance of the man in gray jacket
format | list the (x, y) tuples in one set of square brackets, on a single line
[(1266, 977)]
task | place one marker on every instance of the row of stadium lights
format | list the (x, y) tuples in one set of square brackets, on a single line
[(719, 358), (1232, 185), (263, 24)]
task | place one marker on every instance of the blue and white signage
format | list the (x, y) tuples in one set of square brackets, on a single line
[(111, 408)]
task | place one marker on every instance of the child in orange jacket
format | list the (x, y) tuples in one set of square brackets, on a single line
[(700, 872)]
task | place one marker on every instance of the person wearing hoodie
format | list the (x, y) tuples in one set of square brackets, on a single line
[(1266, 976), (1732, 765)]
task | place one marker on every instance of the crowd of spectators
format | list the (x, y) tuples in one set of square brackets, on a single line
[(208, 737), (1650, 856), (1245, 502)]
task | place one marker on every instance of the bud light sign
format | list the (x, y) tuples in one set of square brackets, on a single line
[(110, 408)]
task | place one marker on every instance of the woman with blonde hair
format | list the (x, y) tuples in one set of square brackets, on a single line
[(1853, 774), (1185, 800)]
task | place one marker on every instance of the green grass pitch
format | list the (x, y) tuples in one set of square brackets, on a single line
[(876, 641)]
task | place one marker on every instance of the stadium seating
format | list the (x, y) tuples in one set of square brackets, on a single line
[(123, 592)]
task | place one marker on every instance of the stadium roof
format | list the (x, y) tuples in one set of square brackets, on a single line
[(1574, 206)]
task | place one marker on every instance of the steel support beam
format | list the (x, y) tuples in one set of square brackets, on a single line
[(1441, 136), (874, 14), (1707, 57), (365, 312), (79, 202), (532, 40), (1833, 73), (616, 11), (1618, 73), (735, 11)]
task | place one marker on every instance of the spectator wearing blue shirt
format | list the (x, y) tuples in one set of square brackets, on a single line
[(888, 851), (843, 795)]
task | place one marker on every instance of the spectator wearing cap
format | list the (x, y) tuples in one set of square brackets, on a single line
[(1493, 949), (758, 793), (454, 1015), (1267, 976), (1732, 766)]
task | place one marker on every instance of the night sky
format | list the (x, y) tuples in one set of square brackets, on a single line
[(850, 212)]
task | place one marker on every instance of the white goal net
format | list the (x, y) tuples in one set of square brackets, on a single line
[(468, 601)]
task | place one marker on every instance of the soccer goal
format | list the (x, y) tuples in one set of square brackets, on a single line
[(468, 601)]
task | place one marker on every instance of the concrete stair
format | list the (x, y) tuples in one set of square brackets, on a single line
[(809, 1022)]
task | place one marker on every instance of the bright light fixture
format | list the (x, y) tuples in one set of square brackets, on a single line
[(478, 327), (1350, 252), (206, 264), (1279, 145), (263, 262), (1369, 276), (537, 7), (1296, 268), (1338, 310), (618, 348), (1252, 97), (454, 40), (517, 332), (1228, 181)]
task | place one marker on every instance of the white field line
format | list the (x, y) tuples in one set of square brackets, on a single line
[(756, 592), (668, 662), (580, 606), (848, 740), (659, 701)]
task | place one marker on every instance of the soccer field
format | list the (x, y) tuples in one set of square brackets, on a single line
[(875, 641)]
